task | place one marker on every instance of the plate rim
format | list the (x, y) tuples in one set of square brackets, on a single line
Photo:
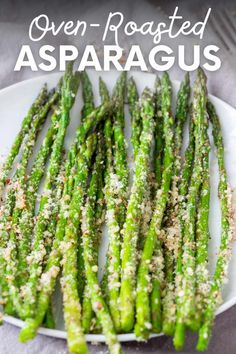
[(56, 333)]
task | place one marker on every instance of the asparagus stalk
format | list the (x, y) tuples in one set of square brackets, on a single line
[(148, 200), (158, 271), (157, 268), (17, 192), (49, 236), (48, 278), (88, 107), (183, 191), (152, 241), (136, 125), (90, 122), (87, 304), (32, 184), (103, 91), (132, 94), (226, 235), (157, 264), (171, 238), (202, 240), (113, 261), (105, 97), (134, 213), (87, 310), (185, 305), (87, 92), (186, 172), (115, 194), (120, 153), (136, 121), (69, 90), (25, 127), (26, 223), (91, 267), (58, 192), (53, 264), (159, 140), (71, 301)]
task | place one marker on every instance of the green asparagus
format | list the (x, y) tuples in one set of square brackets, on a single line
[(69, 90), (171, 238), (136, 121), (48, 278), (185, 305), (134, 213), (17, 191), (71, 301), (91, 266), (25, 127), (152, 240), (224, 254), (87, 92)]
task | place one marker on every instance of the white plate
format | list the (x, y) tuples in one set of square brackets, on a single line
[(14, 103)]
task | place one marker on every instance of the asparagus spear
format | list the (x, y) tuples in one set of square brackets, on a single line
[(5, 226), (135, 115), (91, 267), (202, 240), (17, 192), (87, 92), (183, 191), (115, 194), (57, 195), (147, 204), (87, 309), (226, 235), (26, 220), (71, 301), (186, 172), (136, 126), (87, 305), (113, 261), (157, 264), (23, 195), (185, 305), (105, 97), (22, 233), (49, 236), (152, 241), (134, 213), (158, 281), (69, 90), (54, 259), (132, 93), (25, 127), (103, 91), (88, 107), (48, 278), (159, 140), (89, 123), (120, 153), (171, 238)]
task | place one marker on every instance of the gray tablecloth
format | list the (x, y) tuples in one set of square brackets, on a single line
[(14, 21)]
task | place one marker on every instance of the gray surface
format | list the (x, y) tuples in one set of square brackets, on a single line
[(14, 20)]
